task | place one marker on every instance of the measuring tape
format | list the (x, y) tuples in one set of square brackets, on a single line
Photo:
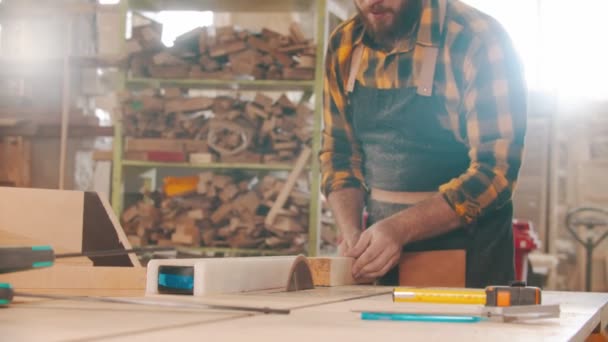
[(439, 295)]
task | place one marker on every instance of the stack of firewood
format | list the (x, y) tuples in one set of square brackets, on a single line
[(222, 53), (167, 125), (220, 210)]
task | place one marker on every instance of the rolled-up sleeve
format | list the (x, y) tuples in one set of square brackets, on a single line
[(495, 106), (340, 154)]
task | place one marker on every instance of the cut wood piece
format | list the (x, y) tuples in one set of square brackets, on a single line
[(296, 33), (229, 192), (332, 271), (221, 213), (295, 48), (307, 61), (188, 105), (290, 145), (171, 93), (221, 181), (283, 59), (165, 58), (196, 214), (201, 158), (263, 101), (259, 44), (248, 202), (286, 224), (298, 73), (227, 48), (233, 275), (70, 277), (254, 110), (291, 181)]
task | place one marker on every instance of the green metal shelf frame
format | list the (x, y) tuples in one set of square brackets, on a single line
[(211, 166), (308, 87)]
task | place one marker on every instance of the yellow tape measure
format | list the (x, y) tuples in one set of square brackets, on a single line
[(438, 295)]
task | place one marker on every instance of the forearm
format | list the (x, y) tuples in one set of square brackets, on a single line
[(347, 207), (425, 220)]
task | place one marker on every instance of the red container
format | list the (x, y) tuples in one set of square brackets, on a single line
[(526, 241)]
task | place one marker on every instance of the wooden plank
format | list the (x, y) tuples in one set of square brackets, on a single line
[(334, 271), (291, 181), (70, 277)]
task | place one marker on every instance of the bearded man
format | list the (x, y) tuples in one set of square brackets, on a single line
[(424, 124)]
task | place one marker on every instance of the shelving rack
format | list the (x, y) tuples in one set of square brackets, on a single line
[(308, 88)]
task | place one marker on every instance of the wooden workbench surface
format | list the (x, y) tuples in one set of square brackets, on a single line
[(319, 314)]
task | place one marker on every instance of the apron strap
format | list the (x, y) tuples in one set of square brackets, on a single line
[(429, 58), (355, 64)]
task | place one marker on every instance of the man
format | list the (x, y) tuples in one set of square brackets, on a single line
[(424, 122)]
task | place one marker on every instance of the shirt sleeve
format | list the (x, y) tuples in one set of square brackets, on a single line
[(495, 105), (340, 154)]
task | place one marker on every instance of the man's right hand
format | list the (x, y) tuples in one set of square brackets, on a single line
[(349, 240)]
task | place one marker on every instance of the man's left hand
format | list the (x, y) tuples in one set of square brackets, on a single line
[(377, 251)]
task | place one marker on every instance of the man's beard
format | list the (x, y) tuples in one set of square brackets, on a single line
[(404, 19)]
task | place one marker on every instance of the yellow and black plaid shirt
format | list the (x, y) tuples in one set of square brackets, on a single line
[(478, 76)]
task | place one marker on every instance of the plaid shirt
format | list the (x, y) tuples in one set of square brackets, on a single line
[(478, 76)]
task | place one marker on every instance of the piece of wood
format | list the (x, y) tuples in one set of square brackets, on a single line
[(298, 73), (331, 271), (70, 277), (254, 110), (221, 213), (168, 71), (188, 105), (307, 61), (291, 181), (165, 58), (201, 158), (263, 101), (433, 269), (227, 48), (296, 33)]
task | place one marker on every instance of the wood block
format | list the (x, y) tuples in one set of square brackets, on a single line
[(227, 48), (248, 202), (298, 73), (270, 34), (70, 277), (296, 33), (286, 224), (291, 145), (148, 104), (201, 158), (334, 271), (307, 61), (172, 93), (254, 110), (294, 48), (263, 101), (221, 213), (196, 214), (165, 58), (248, 56), (144, 145), (229, 192), (283, 59), (291, 180), (221, 181), (259, 44), (188, 104), (433, 269)]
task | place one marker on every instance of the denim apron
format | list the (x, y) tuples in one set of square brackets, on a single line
[(405, 148)]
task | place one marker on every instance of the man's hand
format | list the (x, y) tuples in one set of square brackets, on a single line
[(349, 240), (378, 250)]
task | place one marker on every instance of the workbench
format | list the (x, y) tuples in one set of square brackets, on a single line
[(320, 314)]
